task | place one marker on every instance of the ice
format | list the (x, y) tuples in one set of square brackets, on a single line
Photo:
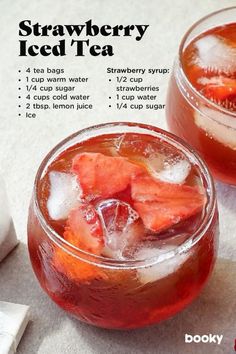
[(174, 172), (215, 55), (138, 148), (64, 194), (120, 227), (155, 162), (166, 168), (167, 264), (214, 80), (217, 125)]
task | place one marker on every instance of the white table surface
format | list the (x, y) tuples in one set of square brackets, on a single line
[(23, 144)]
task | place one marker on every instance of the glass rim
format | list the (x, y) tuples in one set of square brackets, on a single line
[(184, 76), (129, 263)]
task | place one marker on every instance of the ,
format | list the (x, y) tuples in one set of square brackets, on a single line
[(123, 225)]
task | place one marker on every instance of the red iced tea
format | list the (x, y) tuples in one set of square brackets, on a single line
[(123, 225), (201, 104)]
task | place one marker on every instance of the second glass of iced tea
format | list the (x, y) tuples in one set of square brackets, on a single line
[(123, 225), (201, 101)]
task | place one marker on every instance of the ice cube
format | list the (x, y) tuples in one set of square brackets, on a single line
[(214, 80), (174, 172), (136, 147), (120, 226), (167, 263), (217, 125), (215, 55), (155, 162), (64, 194)]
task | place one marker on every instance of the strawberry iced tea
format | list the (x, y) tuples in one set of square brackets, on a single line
[(201, 103), (123, 225)]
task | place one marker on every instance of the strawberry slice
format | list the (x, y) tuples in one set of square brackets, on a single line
[(76, 269), (145, 188), (84, 229), (162, 205), (223, 88), (160, 216), (103, 176)]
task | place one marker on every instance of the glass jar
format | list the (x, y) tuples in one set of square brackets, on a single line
[(122, 294), (209, 127)]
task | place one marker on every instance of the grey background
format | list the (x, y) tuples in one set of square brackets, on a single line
[(23, 144)]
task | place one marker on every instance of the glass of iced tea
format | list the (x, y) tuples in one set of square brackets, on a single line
[(123, 225), (201, 101)]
